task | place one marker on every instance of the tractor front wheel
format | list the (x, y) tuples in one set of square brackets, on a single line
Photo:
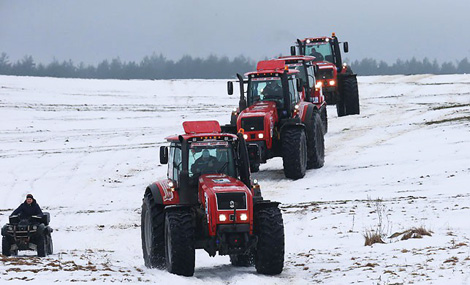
[(152, 233), (316, 143), (179, 242), (269, 254), (294, 152)]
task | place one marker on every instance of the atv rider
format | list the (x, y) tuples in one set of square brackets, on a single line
[(28, 208), (205, 163)]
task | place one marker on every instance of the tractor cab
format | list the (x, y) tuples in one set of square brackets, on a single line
[(272, 82), (322, 48), (308, 70)]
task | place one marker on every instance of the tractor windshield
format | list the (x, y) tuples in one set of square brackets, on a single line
[(210, 158), (320, 50), (265, 89)]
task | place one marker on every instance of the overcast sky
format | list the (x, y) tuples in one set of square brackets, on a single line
[(90, 31)]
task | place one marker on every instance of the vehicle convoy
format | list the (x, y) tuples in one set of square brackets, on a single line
[(337, 78), (281, 115), (27, 234), (209, 201)]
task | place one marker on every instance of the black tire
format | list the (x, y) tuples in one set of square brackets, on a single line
[(49, 245), (6, 246), (324, 119), (242, 260), (153, 233), (41, 245), (179, 242), (340, 106), (350, 95), (316, 143), (294, 152), (254, 167), (269, 254)]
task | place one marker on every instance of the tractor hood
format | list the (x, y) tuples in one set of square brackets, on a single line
[(259, 109), (220, 183)]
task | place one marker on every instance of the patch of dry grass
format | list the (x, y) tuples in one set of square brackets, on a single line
[(372, 237)]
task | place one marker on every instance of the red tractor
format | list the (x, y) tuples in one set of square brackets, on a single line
[(209, 201), (278, 117), (337, 79)]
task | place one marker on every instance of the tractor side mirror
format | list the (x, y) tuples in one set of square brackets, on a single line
[(299, 84), (292, 50), (230, 88), (345, 46), (163, 154)]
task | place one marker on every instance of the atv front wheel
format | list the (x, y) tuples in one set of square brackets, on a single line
[(179, 242), (152, 233), (49, 245), (6, 247), (269, 254), (41, 245), (294, 152)]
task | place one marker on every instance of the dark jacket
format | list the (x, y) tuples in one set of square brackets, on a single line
[(25, 210)]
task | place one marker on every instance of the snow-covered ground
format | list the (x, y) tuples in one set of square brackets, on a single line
[(86, 149)]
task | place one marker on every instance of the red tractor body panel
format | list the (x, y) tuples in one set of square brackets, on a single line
[(169, 194), (268, 111), (198, 127), (212, 185)]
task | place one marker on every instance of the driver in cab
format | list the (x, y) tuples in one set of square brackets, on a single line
[(205, 163)]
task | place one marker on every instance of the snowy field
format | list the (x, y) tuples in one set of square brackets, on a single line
[(86, 149)]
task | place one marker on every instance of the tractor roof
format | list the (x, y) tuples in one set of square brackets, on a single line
[(271, 66), (296, 58), (202, 130)]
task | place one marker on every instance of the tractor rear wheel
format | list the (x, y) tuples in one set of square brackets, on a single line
[(269, 228), (316, 143), (324, 118), (242, 260), (350, 95), (152, 233), (6, 246), (294, 152), (179, 242), (254, 167), (340, 106)]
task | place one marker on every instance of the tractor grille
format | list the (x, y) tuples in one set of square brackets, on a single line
[(325, 73), (228, 201), (253, 124)]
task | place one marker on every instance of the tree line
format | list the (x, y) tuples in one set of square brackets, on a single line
[(212, 67)]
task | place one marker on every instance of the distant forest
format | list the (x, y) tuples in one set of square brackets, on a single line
[(212, 67)]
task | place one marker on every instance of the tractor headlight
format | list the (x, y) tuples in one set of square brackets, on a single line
[(243, 217), (319, 84), (245, 136), (171, 184), (332, 82), (222, 217), (260, 136), (35, 227)]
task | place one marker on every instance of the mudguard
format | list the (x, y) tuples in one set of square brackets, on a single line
[(162, 194), (263, 204), (291, 122)]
